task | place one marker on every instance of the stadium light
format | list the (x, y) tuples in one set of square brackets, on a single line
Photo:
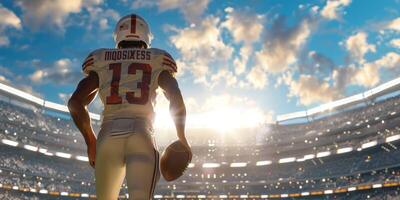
[(211, 165), (48, 154), (1, 185), (56, 106), (344, 150), (378, 185), (9, 142), (42, 150), (264, 196), (21, 94), (369, 144), (191, 165), (64, 193), (84, 195), (392, 138), (30, 147), (180, 196), (240, 164), (32, 190), (284, 195), (287, 160), (263, 162), (157, 196), (15, 187), (43, 191), (309, 156), (244, 196), (350, 189), (323, 154), (305, 194), (63, 155), (223, 196), (201, 196), (328, 192), (82, 158)]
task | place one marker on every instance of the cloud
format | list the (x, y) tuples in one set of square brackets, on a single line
[(257, 77), (191, 10), (394, 24), (225, 76), (62, 71), (8, 20), (101, 17), (358, 46), (395, 43), (316, 63), (50, 13), (283, 44), (197, 55), (245, 27), (366, 75), (333, 7), (310, 89)]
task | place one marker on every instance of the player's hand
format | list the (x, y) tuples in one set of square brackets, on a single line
[(91, 151), (186, 144)]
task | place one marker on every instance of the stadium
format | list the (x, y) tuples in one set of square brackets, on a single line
[(345, 149)]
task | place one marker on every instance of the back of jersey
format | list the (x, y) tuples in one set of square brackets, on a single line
[(128, 79)]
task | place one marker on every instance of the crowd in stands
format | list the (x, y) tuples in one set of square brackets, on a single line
[(36, 127)]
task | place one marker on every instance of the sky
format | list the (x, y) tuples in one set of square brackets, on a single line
[(240, 63)]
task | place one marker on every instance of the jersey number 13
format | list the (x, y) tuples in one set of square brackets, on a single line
[(143, 85)]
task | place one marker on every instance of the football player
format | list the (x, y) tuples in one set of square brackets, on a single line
[(126, 78)]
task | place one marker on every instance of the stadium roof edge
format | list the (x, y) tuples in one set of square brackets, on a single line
[(38, 101), (377, 91)]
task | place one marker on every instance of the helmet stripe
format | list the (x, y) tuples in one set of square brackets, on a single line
[(133, 24)]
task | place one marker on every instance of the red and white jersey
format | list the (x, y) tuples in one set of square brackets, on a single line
[(128, 79)]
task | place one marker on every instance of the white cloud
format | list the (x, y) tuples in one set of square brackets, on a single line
[(366, 75), (225, 76), (62, 71), (245, 27), (257, 78), (50, 13), (358, 46), (283, 44), (394, 24), (200, 46), (191, 10), (8, 20), (395, 43), (333, 7), (310, 90)]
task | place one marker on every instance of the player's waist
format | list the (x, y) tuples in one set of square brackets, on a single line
[(119, 126)]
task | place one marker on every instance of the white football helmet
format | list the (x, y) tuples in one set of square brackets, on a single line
[(132, 28)]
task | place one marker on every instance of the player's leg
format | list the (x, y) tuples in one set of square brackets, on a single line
[(109, 167), (142, 172)]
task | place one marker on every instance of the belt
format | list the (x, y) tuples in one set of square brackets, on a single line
[(122, 126)]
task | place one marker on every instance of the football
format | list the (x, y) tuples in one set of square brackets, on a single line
[(174, 161)]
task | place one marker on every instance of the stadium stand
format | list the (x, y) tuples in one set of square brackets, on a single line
[(349, 152)]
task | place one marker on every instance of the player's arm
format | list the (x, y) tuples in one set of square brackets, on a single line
[(77, 105), (176, 105)]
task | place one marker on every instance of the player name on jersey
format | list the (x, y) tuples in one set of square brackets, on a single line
[(129, 54)]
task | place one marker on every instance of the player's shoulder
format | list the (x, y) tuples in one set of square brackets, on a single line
[(91, 58), (167, 61)]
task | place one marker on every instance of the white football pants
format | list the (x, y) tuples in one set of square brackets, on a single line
[(126, 147)]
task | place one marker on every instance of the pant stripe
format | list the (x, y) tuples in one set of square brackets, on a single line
[(153, 183)]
